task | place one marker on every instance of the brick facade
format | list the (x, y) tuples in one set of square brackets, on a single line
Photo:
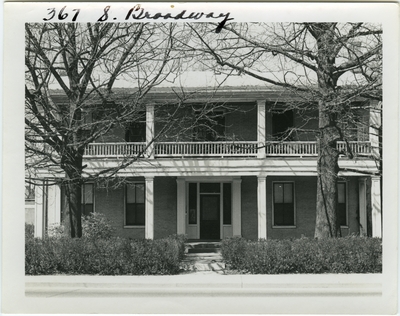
[(111, 203)]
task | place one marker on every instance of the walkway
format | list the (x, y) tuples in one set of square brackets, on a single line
[(204, 256)]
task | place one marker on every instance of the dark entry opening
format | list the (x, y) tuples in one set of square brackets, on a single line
[(210, 216)]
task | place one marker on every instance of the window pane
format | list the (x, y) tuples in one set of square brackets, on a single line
[(210, 187), (341, 192), (87, 209), (278, 214), (140, 214), (342, 218), (288, 216), (227, 204), (278, 193), (288, 193), (139, 192), (87, 193), (130, 214), (130, 194)]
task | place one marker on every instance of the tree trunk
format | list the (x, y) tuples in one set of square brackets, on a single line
[(326, 225), (73, 196)]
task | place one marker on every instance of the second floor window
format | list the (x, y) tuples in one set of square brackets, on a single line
[(283, 195), (209, 127), (282, 123), (135, 205)]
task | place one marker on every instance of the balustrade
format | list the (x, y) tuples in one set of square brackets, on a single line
[(220, 149)]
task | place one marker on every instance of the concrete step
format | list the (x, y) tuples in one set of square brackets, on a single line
[(203, 247)]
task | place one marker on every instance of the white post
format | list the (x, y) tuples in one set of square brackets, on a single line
[(376, 207), (150, 130), (149, 209), (362, 201), (262, 206), (54, 204), (237, 207), (261, 130), (181, 206), (39, 210), (374, 127)]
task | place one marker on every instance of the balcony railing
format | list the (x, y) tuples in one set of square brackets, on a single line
[(220, 149)]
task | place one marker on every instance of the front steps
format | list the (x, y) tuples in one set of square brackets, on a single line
[(204, 256)]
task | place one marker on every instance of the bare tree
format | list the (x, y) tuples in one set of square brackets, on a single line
[(328, 66), (84, 62)]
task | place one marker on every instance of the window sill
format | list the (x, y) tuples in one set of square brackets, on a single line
[(344, 227), (130, 227), (284, 227)]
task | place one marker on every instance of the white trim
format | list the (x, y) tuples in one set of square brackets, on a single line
[(294, 206), (261, 127), (181, 206), (262, 206), (362, 202), (149, 208), (150, 130), (376, 207)]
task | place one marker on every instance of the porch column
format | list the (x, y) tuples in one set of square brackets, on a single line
[(374, 127), (149, 209), (376, 207), (362, 202), (150, 130), (261, 128), (181, 206), (54, 204), (237, 207), (39, 210), (262, 206)]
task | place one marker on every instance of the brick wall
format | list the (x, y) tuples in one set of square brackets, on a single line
[(110, 202), (242, 123), (165, 215), (305, 199)]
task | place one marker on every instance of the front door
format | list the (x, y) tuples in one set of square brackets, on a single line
[(210, 216)]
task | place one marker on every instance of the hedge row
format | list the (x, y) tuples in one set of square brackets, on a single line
[(339, 255), (112, 256)]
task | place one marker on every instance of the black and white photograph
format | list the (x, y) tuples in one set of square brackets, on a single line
[(201, 158)]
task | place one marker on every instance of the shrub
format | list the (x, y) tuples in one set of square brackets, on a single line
[(340, 255), (96, 225), (112, 256), (29, 231)]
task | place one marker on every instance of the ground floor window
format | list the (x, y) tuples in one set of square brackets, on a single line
[(87, 200), (283, 203), (135, 204), (342, 203)]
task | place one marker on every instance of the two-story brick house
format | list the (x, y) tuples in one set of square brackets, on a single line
[(238, 174)]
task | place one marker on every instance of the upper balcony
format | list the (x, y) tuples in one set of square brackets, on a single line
[(220, 149)]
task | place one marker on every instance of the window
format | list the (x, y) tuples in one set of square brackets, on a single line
[(209, 126), (136, 131), (342, 204), (87, 200), (282, 123), (283, 214), (135, 207)]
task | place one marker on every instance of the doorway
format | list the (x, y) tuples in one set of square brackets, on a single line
[(210, 216)]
